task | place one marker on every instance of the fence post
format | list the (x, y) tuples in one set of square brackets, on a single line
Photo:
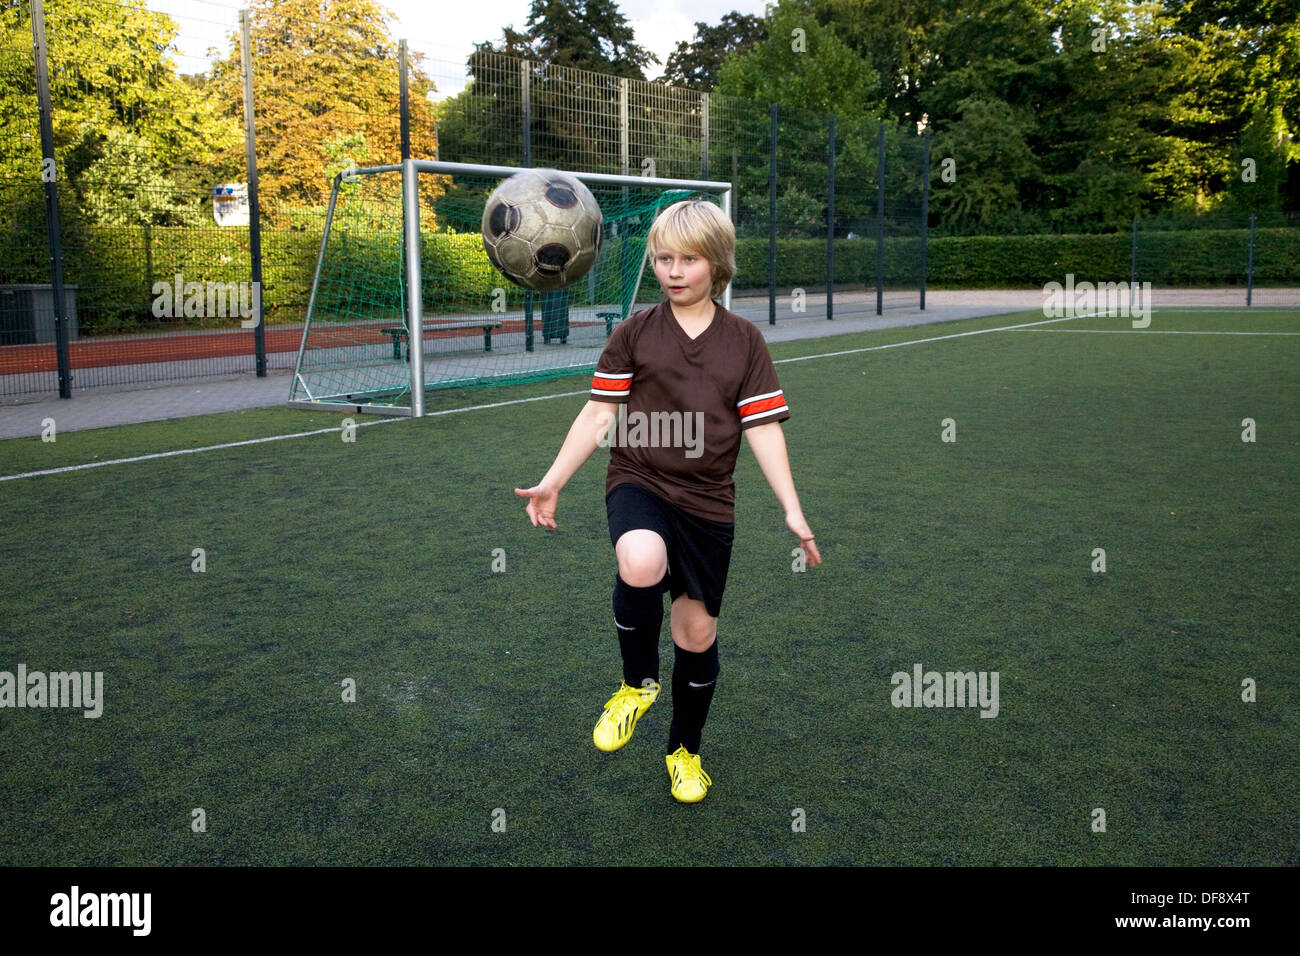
[(880, 219), (925, 211), (624, 141), (1250, 262), (771, 217), (735, 175), (405, 98), (704, 136), (624, 132), (40, 51), (1133, 268), (830, 219), (525, 77), (254, 216), (148, 255)]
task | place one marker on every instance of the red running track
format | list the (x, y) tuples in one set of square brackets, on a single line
[(175, 347)]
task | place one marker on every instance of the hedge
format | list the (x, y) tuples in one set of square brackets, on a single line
[(1187, 258)]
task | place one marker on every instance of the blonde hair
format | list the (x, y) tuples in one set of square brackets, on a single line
[(698, 228)]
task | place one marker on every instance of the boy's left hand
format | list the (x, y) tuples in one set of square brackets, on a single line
[(794, 520)]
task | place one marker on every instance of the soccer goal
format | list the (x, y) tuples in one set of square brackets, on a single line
[(404, 297)]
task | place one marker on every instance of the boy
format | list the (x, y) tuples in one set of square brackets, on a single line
[(670, 508)]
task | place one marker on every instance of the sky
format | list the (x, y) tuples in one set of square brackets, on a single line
[(445, 31)]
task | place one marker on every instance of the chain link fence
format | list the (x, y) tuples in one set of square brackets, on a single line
[(809, 218)]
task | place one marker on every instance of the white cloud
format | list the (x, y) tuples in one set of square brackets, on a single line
[(660, 36)]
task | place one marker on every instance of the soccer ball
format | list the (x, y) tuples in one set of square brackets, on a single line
[(541, 229)]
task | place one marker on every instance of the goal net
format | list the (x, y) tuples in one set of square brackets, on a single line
[(405, 299)]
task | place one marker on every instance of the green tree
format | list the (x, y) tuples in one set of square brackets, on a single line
[(125, 186), (988, 144), (1111, 108), (1093, 110), (1257, 183), (583, 34), (133, 140), (575, 54), (481, 123), (898, 38), (807, 71), (695, 65), (1239, 94), (804, 65)]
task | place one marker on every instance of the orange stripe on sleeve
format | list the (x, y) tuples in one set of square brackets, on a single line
[(610, 384), (762, 405)]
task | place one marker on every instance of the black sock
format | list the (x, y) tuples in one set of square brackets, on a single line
[(638, 617), (694, 678)]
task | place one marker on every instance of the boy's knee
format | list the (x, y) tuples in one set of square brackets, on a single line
[(697, 634), (640, 573), (642, 558)]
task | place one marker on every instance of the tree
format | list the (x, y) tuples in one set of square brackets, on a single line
[(132, 139), (485, 121), (898, 38), (125, 186), (583, 34), (1239, 97), (1260, 170), (804, 65), (695, 65), (325, 89), (993, 161), (1108, 108), (807, 71)]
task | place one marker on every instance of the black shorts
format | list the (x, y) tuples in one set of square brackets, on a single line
[(699, 550)]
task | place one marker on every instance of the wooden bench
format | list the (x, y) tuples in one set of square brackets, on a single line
[(398, 333)]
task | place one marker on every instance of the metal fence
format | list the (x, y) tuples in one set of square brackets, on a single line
[(106, 183), (118, 161), (825, 190)]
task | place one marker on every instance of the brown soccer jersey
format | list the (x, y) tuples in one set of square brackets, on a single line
[(686, 402)]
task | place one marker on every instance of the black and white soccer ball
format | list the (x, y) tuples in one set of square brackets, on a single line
[(542, 229)]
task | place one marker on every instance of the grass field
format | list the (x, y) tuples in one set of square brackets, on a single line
[(477, 691)]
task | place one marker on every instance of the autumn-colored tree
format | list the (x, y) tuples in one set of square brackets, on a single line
[(326, 92)]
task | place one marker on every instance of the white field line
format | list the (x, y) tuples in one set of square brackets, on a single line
[(1151, 332), (188, 451), (259, 441), (935, 338), (1222, 310), (516, 401)]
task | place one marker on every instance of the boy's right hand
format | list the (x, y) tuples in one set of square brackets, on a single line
[(542, 502)]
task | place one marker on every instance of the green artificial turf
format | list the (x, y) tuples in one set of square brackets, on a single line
[(476, 691)]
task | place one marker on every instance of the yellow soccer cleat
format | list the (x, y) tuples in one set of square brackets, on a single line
[(622, 711), (690, 783)]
